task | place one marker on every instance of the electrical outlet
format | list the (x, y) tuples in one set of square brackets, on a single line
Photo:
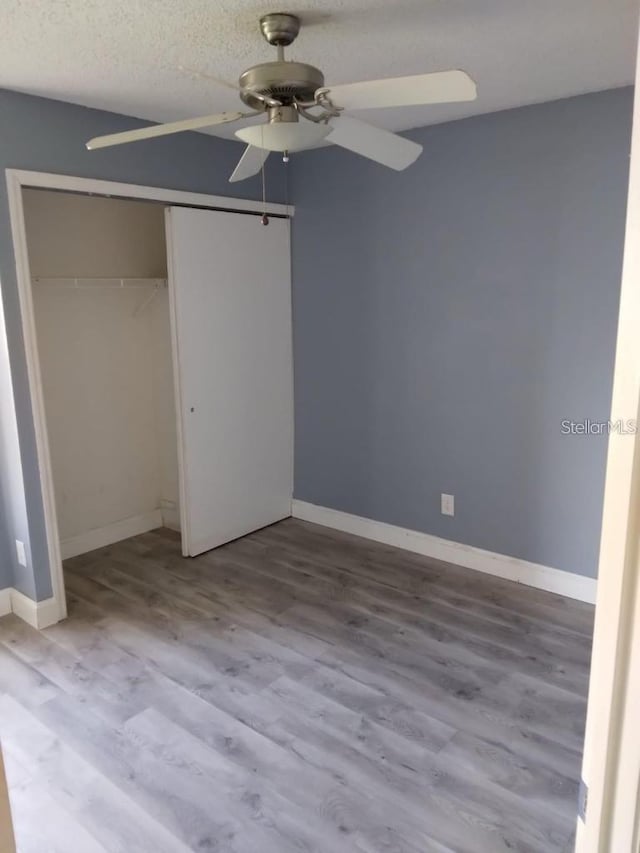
[(447, 504), (20, 551)]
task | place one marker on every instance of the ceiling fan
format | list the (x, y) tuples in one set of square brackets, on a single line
[(301, 111)]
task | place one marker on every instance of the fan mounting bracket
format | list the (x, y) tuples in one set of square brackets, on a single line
[(280, 29)]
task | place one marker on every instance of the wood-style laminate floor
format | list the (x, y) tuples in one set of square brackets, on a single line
[(297, 690)]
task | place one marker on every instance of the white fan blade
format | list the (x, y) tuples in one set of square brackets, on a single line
[(384, 147), (250, 163), (441, 87), (163, 129)]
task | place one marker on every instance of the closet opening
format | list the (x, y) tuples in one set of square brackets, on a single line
[(98, 269), (158, 344)]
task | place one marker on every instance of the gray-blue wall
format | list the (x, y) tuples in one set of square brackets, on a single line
[(49, 136), (448, 318), (6, 576)]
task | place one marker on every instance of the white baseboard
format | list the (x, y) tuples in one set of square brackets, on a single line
[(170, 514), (102, 536), (499, 565), (5, 601), (38, 614)]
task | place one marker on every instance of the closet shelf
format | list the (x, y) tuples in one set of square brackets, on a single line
[(93, 283)]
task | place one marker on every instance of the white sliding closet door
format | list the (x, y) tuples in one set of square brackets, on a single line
[(230, 285)]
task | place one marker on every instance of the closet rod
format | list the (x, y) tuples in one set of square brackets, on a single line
[(86, 282)]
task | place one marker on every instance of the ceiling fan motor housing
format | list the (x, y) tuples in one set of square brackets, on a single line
[(284, 81)]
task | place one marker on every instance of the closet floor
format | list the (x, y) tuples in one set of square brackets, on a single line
[(295, 690)]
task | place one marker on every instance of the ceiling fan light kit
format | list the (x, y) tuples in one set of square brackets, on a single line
[(284, 132), (301, 112)]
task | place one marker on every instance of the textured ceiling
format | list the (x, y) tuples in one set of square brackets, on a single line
[(123, 55)]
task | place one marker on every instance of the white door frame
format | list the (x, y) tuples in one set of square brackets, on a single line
[(611, 765), (17, 180)]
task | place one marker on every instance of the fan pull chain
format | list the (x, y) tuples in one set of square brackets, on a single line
[(286, 201), (265, 218), (286, 184)]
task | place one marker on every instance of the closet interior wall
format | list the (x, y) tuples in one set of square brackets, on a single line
[(99, 270)]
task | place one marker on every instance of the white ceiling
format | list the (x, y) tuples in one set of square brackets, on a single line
[(123, 55)]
